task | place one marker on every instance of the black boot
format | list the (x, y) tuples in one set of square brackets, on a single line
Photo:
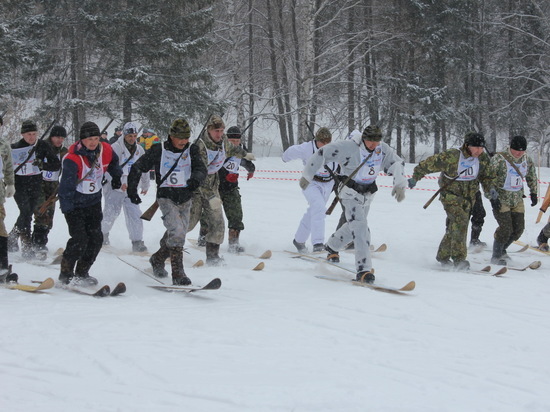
[(66, 273), (13, 240), (474, 238), (332, 255), (498, 254), (212, 254), (27, 251), (366, 277), (176, 261), (82, 276), (542, 241), (4, 262), (157, 261)]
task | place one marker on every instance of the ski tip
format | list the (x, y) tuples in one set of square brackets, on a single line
[(535, 265), (198, 264), (486, 269), (259, 266), (501, 271), (119, 289), (57, 260), (59, 251), (409, 286), (215, 283), (103, 291), (266, 255), (382, 248)]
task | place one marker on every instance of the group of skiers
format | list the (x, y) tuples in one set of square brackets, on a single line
[(197, 181)]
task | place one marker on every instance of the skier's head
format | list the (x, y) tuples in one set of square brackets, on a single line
[(130, 128), (234, 132), (57, 136), (323, 135), (215, 128), (474, 143), (89, 135), (372, 133), (179, 133), (518, 143)]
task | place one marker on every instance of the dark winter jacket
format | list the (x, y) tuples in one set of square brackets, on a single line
[(48, 161), (151, 160), (229, 178), (69, 197)]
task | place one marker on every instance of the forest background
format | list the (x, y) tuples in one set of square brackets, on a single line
[(425, 71)]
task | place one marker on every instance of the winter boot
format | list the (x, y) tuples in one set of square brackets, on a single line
[(157, 262), (318, 247), (40, 238), (81, 275), (8, 276), (301, 247), (201, 242), (27, 251), (462, 265), (474, 238), (542, 241), (66, 274), (366, 277), (138, 246), (445, 263), (13, 240), (4, 262), (178, 274), (212, 254), (106, 239), (234, 246), (332, 255), (498, 257)]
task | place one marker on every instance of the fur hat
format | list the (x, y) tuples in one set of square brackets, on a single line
[(372, 133), (28, 126), (215, 122), (180, 129), (323, 135), (58, 131), (518, 143), (89, 129)]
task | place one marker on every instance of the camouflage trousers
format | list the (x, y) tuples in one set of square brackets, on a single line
[(176, 221), (453, 245), (233, 208), (511, 223), (210, 211)]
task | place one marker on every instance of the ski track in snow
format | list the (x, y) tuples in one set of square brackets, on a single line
[(280, 339)]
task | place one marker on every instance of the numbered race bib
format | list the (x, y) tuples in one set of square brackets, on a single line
[(370, 170), (215, 160), (51, 176), (468, 168), (19, 156), (181, 173), (232, 164), (514, 182), (92, 181)]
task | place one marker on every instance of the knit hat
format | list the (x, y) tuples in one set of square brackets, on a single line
[(89, 129), (58, 131), (129, 128), (323, 135), (180, 129), (28, 126), (474, 139), (233, 132), (215, 122), (372, 133), (518, 143)]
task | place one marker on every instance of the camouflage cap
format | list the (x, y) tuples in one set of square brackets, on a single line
[(323, 135), (180, 129), (28, 126), (372, 133), (215, 122)]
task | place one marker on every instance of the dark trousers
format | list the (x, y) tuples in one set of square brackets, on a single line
[(86, 236)]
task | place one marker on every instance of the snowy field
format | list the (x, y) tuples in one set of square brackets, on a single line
[(281, 339)]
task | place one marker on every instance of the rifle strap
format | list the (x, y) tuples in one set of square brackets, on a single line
[(511, 161)]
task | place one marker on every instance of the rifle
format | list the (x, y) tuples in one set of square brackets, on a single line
[(544, 205), (106, 127), (2, 117), (445, 186), (31, 152), (249, 124), (150, 212)]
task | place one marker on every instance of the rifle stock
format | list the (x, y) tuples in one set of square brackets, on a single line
[(47, 203), (429, 202), (332, 205), (544, 205), (149, 213)]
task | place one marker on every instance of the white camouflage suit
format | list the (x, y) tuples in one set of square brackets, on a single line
[(350, 154), (117, 199), (316, 194)]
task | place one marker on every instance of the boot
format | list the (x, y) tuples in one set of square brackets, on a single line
[(212, 254), (474, 238), (4, 262), (201, 242), (27, 251), (318, 247), (366, 277), (138, 246), (332, 255), (40, 238), (301, 247), (66, 274), (462, 265), (542, 241), (157, 261), (81, 275), (498, 254), (178, 274), (234, 246), (13, 239)]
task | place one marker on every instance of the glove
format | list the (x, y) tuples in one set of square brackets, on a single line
[(250, 175), (398, 192), (250, 156), (232, 177), (135, 199), (534, 199), (39, 163), (10, 190), (304, 183), (116, 184), (412, 183), (495, 201), (193, 184)]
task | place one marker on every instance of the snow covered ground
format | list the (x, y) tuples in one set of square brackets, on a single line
[(281, 339)]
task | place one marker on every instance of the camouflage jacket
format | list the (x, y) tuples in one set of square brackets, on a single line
[(205, 144), (499, 166), (447, 163), (7, 169)]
